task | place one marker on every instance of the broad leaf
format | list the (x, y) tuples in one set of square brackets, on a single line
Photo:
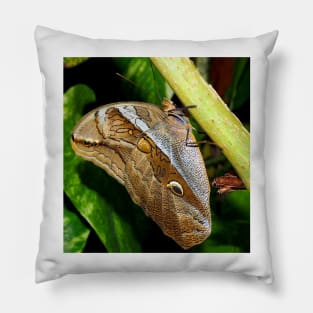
[(75, 232), (72, 62), (96, 196), (239, 91), (142, 81)]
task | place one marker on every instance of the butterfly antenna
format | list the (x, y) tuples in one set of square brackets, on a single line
[(127, 79)]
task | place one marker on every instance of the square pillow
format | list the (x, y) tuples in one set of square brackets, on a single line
[(133, 185)]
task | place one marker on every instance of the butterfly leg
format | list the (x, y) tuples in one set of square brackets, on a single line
[(192, 144)]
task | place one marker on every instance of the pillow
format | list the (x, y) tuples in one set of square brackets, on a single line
[(134, 186)]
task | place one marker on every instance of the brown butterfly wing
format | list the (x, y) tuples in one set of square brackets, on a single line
[(114, 138), (88, 142), (147, 176)]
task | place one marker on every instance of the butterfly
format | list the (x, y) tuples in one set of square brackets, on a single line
[(151, 151)]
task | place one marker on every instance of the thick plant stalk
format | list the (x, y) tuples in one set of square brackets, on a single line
[(211, 112)]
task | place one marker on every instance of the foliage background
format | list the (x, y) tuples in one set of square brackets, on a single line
[(99, 215)]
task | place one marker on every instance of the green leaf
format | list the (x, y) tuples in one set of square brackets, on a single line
[(97, 196), (142, 82), (231, 218), (237, 204), (213, 246), (75, 232), (239, 91), (71, 62)]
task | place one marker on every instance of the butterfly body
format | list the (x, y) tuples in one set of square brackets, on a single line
[(144, 148)]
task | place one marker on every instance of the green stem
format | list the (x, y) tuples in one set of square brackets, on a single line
[(211, 112)]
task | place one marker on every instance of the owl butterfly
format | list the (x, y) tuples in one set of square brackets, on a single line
[(151, 152)]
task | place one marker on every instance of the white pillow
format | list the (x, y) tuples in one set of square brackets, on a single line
[(52, 261)]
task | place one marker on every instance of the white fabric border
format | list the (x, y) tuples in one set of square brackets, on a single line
[(51, 261)]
